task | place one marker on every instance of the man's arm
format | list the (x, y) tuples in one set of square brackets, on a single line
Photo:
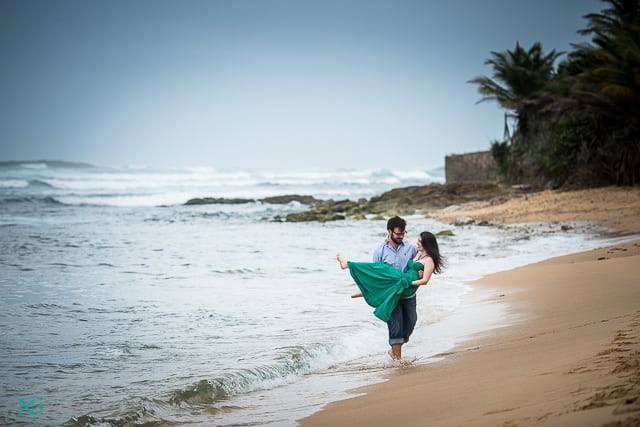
[(377, 254)]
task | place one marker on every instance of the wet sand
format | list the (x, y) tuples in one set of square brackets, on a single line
[(570, 355)]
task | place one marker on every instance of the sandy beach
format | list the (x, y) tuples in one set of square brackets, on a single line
[(569, 354), (615, 209)]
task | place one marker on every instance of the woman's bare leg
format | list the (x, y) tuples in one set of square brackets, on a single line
[(343, 263), (344, 266)]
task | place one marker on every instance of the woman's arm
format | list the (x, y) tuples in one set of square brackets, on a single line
[(428, 271)]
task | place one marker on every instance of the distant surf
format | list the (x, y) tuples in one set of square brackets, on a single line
[(81, 184)]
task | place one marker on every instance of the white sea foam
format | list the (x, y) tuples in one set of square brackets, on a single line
[(14, 183), (145, 187)]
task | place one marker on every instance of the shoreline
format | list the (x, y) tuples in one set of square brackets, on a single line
[(569, 353)]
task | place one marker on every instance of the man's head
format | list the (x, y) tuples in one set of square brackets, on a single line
[(396, 229)]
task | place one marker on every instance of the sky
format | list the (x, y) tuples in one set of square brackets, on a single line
[(261, 84)]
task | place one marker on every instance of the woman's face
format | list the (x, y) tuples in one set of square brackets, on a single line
[(419, 244)]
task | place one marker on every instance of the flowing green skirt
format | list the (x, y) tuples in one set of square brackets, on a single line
[(382, 285)]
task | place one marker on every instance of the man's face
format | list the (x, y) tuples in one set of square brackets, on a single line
[(396, 235)]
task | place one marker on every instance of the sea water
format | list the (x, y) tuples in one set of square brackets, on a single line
[(122, 306)]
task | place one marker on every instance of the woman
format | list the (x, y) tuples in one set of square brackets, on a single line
[(382, 285)]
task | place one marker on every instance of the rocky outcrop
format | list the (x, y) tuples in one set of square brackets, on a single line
[(217, 201), (399, 201), (407, 201)]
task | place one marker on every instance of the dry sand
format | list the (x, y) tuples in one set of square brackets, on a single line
[(614, 208), (570, 357)]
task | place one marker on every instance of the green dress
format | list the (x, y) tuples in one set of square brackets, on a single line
[(382, 285)]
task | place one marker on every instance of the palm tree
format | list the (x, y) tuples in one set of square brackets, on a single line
[(615, 53), (519, 78), (610, 84)]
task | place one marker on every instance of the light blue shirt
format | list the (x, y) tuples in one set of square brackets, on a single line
[(397, 258)]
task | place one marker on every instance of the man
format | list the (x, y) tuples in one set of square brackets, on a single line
[(394, 251)]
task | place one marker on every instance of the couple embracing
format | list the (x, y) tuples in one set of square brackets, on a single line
[(390, 282)]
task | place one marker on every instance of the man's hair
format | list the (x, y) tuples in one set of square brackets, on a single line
[(396, 222)]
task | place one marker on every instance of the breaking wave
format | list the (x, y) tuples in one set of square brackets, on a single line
[(289, 364), (142, 187)]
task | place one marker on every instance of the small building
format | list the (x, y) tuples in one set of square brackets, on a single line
[(479, 166)]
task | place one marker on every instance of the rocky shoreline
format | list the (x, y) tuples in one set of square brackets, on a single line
[(399, 201)]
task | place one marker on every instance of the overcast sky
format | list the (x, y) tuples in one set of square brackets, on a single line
[(261, 84)]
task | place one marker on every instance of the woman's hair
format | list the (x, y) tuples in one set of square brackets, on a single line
[(430, 244)]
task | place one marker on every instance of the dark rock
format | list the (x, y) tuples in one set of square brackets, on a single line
[(217, 201), (283, 200), (313, 215), (399, 201), (279, 200)]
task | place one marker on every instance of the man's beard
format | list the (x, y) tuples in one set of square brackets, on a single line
[(396, 240)]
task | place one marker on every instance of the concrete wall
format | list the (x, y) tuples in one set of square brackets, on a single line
[(478, 166)]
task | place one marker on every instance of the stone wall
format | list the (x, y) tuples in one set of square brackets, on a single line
[(478, 166)]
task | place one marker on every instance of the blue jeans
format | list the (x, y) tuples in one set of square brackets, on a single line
[(403, 320)]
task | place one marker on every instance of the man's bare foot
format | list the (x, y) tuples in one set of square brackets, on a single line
[(396, 352), (393, 356), (343, 263)]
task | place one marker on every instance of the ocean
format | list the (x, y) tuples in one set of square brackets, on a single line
[(122, 306)]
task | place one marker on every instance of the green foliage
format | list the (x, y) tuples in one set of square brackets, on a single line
[(519, 79), (579, 125), (569, 157), (500, 153)]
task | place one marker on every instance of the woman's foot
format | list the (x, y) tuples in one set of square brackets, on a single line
[(343, 263)]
